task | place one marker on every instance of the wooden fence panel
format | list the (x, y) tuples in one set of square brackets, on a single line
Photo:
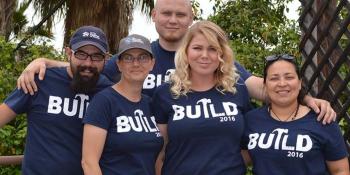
[(325, 48)]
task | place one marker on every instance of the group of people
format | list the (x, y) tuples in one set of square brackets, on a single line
[(178, 105)]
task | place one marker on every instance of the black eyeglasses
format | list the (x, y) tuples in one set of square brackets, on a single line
[(81, 55), (144, 58), (277, 57)]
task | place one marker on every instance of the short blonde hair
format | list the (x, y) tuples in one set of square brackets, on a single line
[(225, 75)]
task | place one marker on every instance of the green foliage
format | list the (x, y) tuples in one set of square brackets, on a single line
[(19, 19), (257, 28), (13, 134)]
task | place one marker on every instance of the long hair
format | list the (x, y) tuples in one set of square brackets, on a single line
[(225, 75)]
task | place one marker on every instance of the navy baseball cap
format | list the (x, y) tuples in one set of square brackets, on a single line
[(134, 41), (89, 35)]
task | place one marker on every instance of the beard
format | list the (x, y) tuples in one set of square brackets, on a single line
[(84, 84)]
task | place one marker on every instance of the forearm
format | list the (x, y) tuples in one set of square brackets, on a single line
[(256, 88), (246, 157), (53, 63), (91, 167), (159, 163)]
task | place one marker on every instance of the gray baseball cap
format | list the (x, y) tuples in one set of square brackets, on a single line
[(134, 41)]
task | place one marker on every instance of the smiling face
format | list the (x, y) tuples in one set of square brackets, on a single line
[(282, 83), (135, 65), (85, 71), (203, 58), (172, 19)]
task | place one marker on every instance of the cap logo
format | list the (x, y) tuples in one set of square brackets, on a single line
[(133, 40), (91, 34)]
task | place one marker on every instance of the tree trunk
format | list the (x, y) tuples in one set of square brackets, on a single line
[(7, 7), (113, 17)]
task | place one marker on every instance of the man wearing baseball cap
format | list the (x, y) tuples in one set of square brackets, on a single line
[(112, 122), (55, 111)]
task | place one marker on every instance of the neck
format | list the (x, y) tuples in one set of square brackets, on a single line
[(169, 46), (130, 91), (284, 113), (202, 83)]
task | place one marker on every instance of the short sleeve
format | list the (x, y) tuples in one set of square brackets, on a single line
[(18, 101), (242, 71), (334, 148), (98, 112)]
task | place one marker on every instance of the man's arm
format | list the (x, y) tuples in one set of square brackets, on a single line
[(257, 91), (38, 66), (6, 114), (256, 88)]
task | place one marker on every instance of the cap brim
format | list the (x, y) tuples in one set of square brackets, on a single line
[(135, 47), (84, 43)]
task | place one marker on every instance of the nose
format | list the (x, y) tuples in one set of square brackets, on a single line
[(173, 18), (136, 62), (282, 82), (204, 53), (88, 61)]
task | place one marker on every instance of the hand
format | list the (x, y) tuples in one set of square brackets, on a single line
[(26, 80), (323, 108)]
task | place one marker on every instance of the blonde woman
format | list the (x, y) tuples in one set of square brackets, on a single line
[(200, 112)]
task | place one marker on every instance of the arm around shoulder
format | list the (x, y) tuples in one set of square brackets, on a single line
[(37, 66), (256, 89)]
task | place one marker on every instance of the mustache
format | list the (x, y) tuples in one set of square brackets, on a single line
[(83, 68)]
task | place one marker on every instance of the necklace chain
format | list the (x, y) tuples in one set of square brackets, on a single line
[(293, 118)]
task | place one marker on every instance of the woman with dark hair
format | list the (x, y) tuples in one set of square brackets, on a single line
[(284, 136)]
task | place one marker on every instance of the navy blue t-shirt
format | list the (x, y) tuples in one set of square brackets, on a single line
[(54, 130), (204, 130), (133, 140), (163, 66), (297, 147)]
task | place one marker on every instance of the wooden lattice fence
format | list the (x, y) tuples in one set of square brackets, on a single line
[(325, 48)]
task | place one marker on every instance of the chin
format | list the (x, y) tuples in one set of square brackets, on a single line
[(172, 37)]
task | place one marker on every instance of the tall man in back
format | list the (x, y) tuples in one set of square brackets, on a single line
[(55, 111)]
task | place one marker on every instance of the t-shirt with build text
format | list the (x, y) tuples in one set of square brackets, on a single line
[(54, 124), (297, 147), (133, 140), (204, 130)]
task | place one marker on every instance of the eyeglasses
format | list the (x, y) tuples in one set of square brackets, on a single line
[(81, 55), (144, 58), (277, 57)]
